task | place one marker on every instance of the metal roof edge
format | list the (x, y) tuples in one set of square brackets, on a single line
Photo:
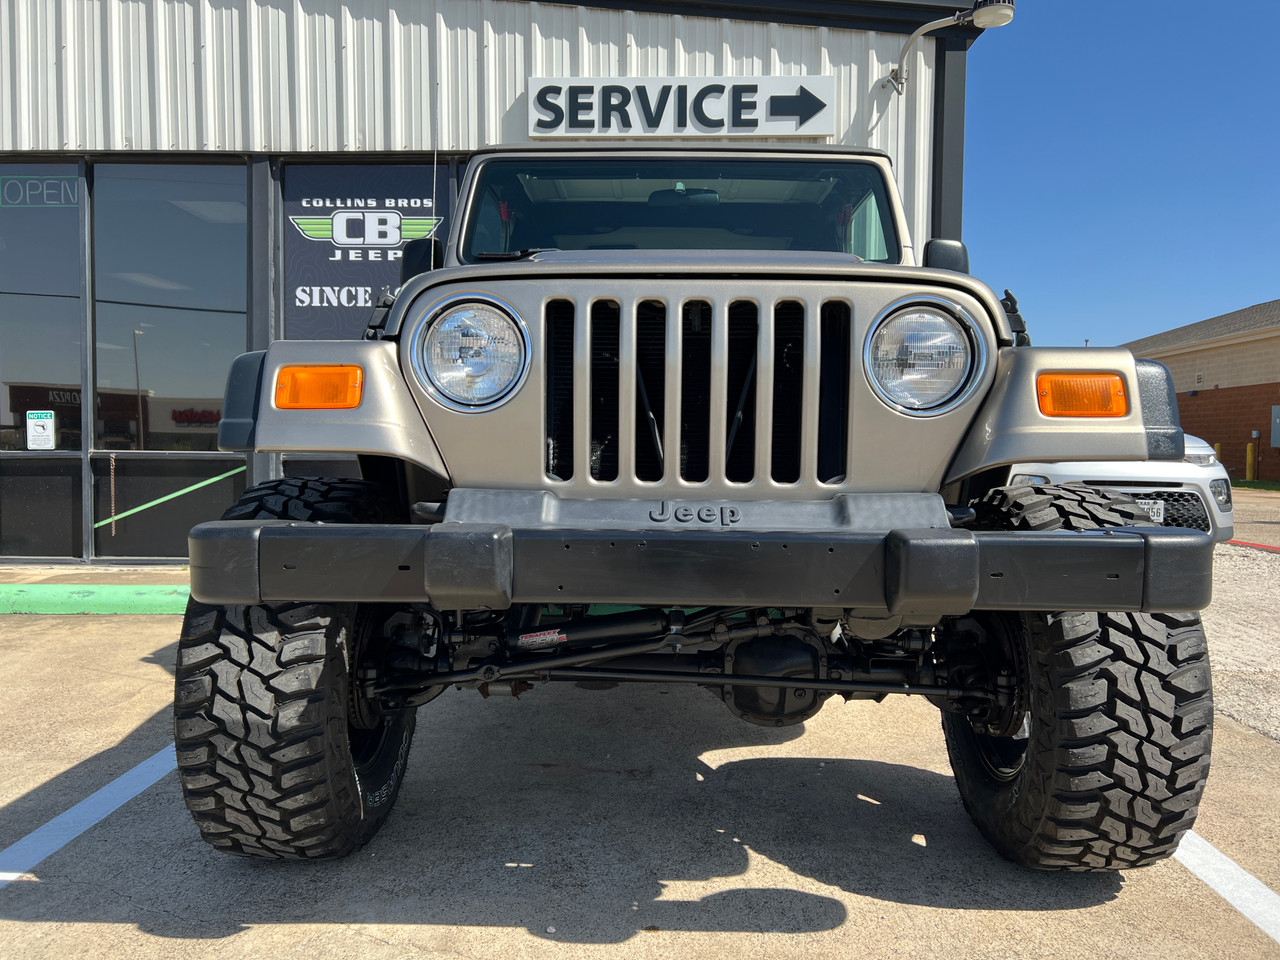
[(1235, 324), (1214, 343), (886, 16)]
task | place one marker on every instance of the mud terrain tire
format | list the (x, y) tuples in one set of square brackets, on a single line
[(272, 759), (1113, 761)]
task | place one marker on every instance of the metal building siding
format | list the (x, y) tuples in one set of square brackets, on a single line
[(284, 76)]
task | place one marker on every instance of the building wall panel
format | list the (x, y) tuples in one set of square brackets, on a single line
[(1253, 361), (252, 76)]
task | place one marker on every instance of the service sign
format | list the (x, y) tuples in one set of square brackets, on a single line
[(673, 107)]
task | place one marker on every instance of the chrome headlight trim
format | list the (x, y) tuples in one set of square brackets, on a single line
[(977, 353), (437, 311)]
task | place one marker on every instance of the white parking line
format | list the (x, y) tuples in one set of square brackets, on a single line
[(1253, 898), (1246, 893), (61, 830)]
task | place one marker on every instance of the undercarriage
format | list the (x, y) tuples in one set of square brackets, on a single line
[(770, 666)]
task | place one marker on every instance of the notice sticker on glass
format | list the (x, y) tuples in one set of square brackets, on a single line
[(40, 432)]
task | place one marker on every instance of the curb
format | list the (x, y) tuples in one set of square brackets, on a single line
[(61, 599)]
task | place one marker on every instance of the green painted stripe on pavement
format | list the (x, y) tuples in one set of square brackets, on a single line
[(170, 496), (54, 599)]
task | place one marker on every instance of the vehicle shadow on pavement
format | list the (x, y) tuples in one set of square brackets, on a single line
[(26, 813), (582, 817)]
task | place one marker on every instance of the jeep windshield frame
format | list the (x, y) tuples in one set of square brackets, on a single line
[(629, 202)]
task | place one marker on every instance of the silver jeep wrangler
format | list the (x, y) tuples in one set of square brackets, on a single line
[(696, 416)]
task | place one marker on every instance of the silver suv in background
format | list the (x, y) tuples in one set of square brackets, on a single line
[(1193, 492)]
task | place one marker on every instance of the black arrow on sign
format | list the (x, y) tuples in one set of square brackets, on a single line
[(804, 106)]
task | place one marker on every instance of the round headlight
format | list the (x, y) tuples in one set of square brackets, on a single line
[(919, 358), (473, 353)]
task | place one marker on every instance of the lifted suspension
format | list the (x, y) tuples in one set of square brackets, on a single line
[(597, 649)]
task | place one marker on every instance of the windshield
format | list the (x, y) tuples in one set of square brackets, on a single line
[(638, 203)]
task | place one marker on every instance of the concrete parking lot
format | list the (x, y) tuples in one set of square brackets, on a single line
[(1257, 516), (643, 821)]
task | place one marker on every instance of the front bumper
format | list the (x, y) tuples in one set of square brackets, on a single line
[(891, 555)]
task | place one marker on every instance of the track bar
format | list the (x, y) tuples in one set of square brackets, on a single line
[(738, 680)]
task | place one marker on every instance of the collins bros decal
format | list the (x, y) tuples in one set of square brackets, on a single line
[(351, 231), (348, 224)]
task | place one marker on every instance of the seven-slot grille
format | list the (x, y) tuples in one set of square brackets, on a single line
[(652, 389)]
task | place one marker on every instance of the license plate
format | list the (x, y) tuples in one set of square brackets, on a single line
[(1154, 508)]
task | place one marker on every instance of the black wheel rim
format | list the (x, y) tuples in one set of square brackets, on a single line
[(368, 725), (1003, 755), (366, 745)]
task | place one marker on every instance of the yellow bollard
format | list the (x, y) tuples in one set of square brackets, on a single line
[(1249, 466), (1217, 450)]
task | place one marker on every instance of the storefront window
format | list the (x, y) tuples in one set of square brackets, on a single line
[(40, 229), (145, 506), (40, 310), (170, 259), (345, 230), (170, 236), (40, 370), (40, 507), (167, 266), (166, 369)]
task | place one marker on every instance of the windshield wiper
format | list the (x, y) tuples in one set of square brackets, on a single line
[(513, 254)]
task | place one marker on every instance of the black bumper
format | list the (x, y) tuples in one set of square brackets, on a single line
[(919, 574)]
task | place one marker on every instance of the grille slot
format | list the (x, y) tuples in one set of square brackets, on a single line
[(559, 349), (695, 391), (833, 392), (606, 318), (740, 398), (788, 389), (651, 386)]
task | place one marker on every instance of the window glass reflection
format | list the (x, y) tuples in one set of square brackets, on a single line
[(39, 229), (40, 370), (170, 248), (165, 369), (170, 235)]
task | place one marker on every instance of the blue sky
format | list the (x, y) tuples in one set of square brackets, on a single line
[(1122, 177)]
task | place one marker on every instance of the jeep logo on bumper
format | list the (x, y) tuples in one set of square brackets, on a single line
[(684, 513)]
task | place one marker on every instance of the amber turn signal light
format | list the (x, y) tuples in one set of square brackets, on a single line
[(1082, 394), (319, 387)]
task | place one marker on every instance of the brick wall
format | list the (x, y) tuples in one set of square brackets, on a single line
[(1227, 415)]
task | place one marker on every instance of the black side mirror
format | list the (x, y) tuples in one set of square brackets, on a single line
[(947, 255), (419, 256)]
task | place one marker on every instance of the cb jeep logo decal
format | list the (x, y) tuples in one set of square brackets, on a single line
[(366, 228), (685, 513)]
